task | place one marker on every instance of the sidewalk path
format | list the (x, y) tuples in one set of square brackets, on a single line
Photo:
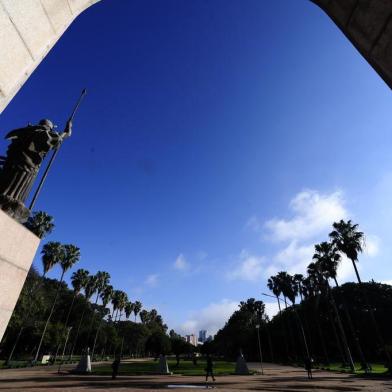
[(275, 378)]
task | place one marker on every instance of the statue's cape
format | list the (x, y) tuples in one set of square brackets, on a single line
[(16, 132)]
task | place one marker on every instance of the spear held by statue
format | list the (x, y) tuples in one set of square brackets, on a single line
[(56, 150)]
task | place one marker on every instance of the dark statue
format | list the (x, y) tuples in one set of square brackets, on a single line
[(20, 167)]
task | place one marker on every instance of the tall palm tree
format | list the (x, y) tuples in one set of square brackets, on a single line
[(106, 295), (122, 303), (89, 289), (78, 281), (52, 253), (298, 281), (316, 275), (116, 299), (137, 307), (350, 241), (287, 288), (273, 285), (128, 309), (40, 223), (101, 281), (69, 256), (327, 261)]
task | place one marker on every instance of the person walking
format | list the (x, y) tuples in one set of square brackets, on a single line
[(115, 366), (308, 367), (209, 368)]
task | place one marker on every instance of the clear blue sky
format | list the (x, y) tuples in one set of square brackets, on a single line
[(217, 143)]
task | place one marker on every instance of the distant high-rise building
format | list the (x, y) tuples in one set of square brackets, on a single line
[(191, 339), (209, 339), (202, 335)]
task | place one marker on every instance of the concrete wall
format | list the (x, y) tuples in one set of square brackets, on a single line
[(17, 249), (28, 30)]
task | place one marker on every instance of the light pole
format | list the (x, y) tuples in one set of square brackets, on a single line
[(261, 354)]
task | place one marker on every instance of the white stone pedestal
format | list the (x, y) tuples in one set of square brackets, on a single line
[(163, 367), (84, 365), (241, 367), (18, 246)]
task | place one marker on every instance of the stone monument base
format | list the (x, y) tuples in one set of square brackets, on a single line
[(163, 367), (18, 246), (14, 208), (84, 365), (241, 367)]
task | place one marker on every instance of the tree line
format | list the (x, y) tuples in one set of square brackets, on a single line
[(347, 323), (52, 318)]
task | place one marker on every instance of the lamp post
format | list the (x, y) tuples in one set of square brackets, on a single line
[(261, 354)]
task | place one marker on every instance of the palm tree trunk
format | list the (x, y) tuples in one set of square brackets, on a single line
[(342, 333), (15, 344), (335, 334), (32, 292), (77, 333), (49, 317), (65, 326), (376, 328), (280, 310), (91, 322), (95, 340), (356, 271), (354, 334)]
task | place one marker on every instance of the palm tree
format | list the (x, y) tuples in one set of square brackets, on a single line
[(51, 255), (315, 273), (40, 223), (350, 241), (78, 281), (287, 288), (122, 303), (137, 307), (101, 281), (298, 280), (128, 309), (273, 285), (89, 289), (70, 255), (116, 299), (106, 295), (327, 261)]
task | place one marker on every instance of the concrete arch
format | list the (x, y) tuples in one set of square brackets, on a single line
[(28, 30)]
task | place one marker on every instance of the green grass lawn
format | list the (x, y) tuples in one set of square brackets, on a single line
[(186, 368), (377, 368)]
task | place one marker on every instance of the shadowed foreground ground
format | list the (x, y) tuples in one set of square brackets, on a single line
[(276, 378)]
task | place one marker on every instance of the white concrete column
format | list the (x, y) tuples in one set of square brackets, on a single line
[(28, 30), (18, 246)]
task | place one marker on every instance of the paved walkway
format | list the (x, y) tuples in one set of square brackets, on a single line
[(275, 378)]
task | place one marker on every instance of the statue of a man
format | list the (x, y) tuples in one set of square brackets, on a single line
[(20, 167)]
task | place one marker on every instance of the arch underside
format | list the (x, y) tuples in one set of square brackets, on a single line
[(28, 30), (368, 25)]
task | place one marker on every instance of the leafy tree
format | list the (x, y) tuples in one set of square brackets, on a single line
[(158, 343)]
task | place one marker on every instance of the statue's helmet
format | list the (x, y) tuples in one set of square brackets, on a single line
[(47, 123)]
